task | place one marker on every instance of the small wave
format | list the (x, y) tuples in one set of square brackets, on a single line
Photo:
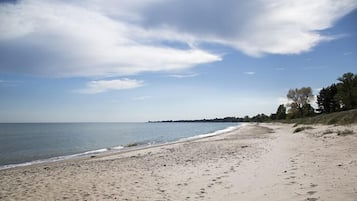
[(147, 143), (226, 130), (118, 147), (95, 151), (59, 158)]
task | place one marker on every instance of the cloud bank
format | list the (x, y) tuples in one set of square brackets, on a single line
[(125, 37)]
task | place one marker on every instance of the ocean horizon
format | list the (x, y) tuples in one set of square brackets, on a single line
[(28, 143)]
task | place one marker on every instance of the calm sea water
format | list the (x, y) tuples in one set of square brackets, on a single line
[(27, 142)]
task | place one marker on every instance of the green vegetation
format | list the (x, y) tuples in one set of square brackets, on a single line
[(339, 118), (326, 100), (345, 132), (281, 112), (340, 96), (300, 102), (337, 104), (256, 118)]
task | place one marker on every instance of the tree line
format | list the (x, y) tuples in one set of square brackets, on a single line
[(340, 96)]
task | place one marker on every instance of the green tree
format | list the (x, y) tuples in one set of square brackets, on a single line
[(260, 118), (327, 101), (347, 91), (281, 112), (300, 98), (308, 110)]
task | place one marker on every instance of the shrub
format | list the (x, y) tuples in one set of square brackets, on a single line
[(345, 132), (302, 129), (328, 131)]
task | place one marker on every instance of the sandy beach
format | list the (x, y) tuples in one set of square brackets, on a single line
[(253, 162)]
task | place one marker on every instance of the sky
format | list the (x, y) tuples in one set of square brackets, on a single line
[(141, 60)]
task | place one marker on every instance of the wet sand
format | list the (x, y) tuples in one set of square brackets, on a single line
[(253, 162)]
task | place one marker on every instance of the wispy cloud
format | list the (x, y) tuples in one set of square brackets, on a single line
[(249, 73), (347, 53), (184, 75), (314, 67), (101, 86), (9, 83), (279, 69)]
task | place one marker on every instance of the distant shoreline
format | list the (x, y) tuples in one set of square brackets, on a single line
[(216, 120)]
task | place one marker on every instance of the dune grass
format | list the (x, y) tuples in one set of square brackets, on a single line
[(302, 129), (337, 118), (345, 132)]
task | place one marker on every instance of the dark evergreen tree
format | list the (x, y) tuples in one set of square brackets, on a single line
[(347, 91), (327, 101), (281, 112)]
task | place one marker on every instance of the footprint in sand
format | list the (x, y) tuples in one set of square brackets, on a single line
[(311, 192), (312, 199), (313, 185)]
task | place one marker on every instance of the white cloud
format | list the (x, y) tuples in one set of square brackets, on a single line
[(283, 100), (317, 90), (279, 69), (100, 86), (313, 102), (249, 73), (122, 37), (254, 27), (286, 101), (347, 53), (75, 40)]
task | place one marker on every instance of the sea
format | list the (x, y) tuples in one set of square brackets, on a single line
[(23, 144)]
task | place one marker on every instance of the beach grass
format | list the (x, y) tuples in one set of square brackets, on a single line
[(302, 129), (345, 132), (336, 118)]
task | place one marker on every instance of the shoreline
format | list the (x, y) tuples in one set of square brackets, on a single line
[(253, 162), (117, 149)]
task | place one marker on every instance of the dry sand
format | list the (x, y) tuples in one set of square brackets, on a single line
[(254, 162)]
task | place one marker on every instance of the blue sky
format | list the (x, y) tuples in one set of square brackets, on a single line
[(136, 60)]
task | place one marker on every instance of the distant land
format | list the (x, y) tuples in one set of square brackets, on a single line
[(225, 119), (337, 118)]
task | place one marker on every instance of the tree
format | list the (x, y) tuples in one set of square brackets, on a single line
[(327, 101), (347, 91), (281, 112), (260, 118), (308, 110), (300, 98)]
